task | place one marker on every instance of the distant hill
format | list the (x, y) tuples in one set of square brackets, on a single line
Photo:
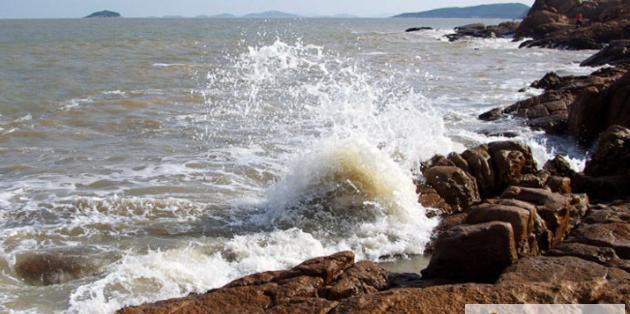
[(499, 11), (223, 16), (104, 14), (271, 14)]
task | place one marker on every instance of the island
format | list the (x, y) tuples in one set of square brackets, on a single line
[(102, 14), (499, 11), (271, 14)]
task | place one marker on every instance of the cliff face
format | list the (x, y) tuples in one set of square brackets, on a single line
[(552, 23)]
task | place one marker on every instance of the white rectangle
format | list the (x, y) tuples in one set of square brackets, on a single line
[(545, 309)]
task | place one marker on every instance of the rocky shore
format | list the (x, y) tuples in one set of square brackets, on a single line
[(511, 231)]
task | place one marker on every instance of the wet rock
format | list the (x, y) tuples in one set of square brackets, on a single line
[(587, 116), (280, 291), (612, 156), (492, 115), (432, 201), (491, 243), (617, 52), (51, 267), (445, 224), (415, 29), (479, 30), (522, 222), (582, 106), (559, 166), (553, 208), (481, 167), (456, 186), (511, 161)]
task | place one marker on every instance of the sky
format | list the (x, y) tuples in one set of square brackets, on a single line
[(146, 8)]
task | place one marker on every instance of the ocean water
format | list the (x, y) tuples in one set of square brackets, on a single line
[(159, 157)]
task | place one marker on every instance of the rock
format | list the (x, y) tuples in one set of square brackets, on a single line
[(432, 201), (415, 29), (612, 156), (558, 184), (457, 187), (553, 208), (491, 243), (582, 106), (559, 166), (617, 99), (481, 167), (451, 298), (586, 281), (445, 224), (551, 24), (492, 115), (613, 235), (285, 291), (479, 30), (605, 188), (587, 116), (617, 52), (101, 14), (522, 222), (511, 161), (602, 255), (57, 266), (362, 277)]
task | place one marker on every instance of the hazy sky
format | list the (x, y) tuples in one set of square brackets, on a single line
[(142, 8)]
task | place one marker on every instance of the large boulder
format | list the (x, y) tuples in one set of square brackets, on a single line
[(521, 219), (607, 175), (511, 161), (55, 266), (617, 52), (456, 186), (555, 209), (492, 245), (552, 23), (612, 156)]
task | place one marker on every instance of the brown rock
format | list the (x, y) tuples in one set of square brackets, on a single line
[(522, 221), (491, 243), (481, 167), (613, 235), (552, 207), (587, 115), (559, 166), (56, 266), (612, 156), (511, 161), (362, 277), (432, 201), (602, 255), (560, 185), (454, 185)]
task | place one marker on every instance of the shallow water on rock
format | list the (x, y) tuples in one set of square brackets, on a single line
[(143, 159)]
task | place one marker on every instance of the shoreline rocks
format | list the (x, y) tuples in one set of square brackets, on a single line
[(580, 106), (523, 243), (553, 24), (480, 30)]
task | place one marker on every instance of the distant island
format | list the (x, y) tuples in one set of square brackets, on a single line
[(103, 14), (271, 14), (499, 11)]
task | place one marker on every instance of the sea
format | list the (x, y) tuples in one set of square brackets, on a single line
[(144, 159)]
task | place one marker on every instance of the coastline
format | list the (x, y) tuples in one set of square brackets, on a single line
[(511, 231)]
